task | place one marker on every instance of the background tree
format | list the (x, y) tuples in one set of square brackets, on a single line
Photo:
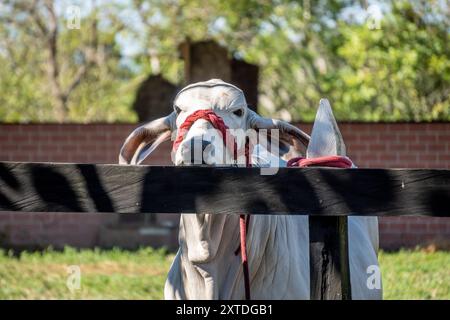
[(399, 70), (51, 72)]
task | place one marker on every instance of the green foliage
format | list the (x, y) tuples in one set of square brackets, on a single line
[(400, 71), (306, 50), (104, 91)]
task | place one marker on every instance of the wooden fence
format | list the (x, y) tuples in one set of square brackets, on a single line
[(327, 195)]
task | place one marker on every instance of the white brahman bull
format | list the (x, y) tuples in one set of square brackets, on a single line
[(206, 266)]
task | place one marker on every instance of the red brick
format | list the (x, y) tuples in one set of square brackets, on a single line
[(429, 137), (444, 136), (48, 147), (31, 128), (418, 227), (438, 126), (438, 227), (9, 148), (378, 147), (66, 148), (390, 156), (443, 157), (398, 227), (59, 138), (408, 138), (428, 157), (368, 137), (417, 147), (433, 147), (409, 157)]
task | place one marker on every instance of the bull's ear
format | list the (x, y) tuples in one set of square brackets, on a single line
[(143, 140), (292, 141), (326, 139)]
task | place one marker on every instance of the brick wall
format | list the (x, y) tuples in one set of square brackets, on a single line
[(402, 145), (88, 143)]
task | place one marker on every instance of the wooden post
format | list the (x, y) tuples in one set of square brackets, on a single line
[(329, 260), (328, 236)]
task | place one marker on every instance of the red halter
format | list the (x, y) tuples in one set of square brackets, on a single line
[(217, 123)]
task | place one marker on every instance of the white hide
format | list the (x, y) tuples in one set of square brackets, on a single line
[(206, 267), (216, 95)]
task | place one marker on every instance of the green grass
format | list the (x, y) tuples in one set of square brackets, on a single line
[(117, 274), (112, 274), (415, 274)]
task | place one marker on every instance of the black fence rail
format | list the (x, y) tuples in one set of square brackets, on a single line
[(327, 195)]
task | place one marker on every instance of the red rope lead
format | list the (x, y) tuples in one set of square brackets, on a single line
[(217, 123), (243, 230), (328, 161)]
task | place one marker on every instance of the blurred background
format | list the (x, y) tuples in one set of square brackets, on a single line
[(83, 61), (76, 77)]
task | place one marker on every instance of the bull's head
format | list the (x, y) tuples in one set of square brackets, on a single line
[(227, 102)]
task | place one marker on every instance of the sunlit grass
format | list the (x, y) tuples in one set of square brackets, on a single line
[(112, 274), (118, 274), (415, 274)]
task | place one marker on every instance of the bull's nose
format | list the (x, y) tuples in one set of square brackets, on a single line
[(197, 151)]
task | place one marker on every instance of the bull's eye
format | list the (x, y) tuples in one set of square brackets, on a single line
[(238, 112), (177, 110)]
